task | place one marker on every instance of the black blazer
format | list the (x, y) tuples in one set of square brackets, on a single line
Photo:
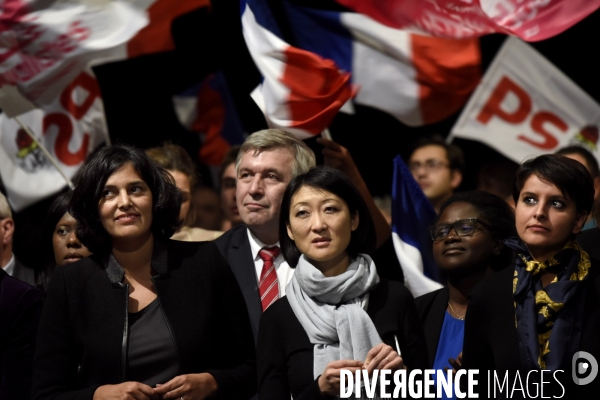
[(492, 343), (235, 247), (82, 338), (432, 311), (20, 307), (286, 356)]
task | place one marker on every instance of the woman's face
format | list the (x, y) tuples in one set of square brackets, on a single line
[(125, 207), (464, 253), (67, 248), (545, 218), (321, 227), (182, 181)]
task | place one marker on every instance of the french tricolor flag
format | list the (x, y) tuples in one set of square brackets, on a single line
[(417, 79), (301, 91)]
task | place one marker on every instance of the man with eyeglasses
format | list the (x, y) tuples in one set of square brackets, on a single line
[(437, 167)]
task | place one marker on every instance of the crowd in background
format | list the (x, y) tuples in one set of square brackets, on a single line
[(170, 278)]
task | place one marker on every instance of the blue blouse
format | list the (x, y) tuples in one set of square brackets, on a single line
[(449, 345)]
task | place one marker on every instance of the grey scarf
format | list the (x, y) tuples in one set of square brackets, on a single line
[(332, 310)]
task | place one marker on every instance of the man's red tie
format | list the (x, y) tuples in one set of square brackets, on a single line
[(268, 285)]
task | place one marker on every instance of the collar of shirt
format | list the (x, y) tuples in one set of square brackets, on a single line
[(10, 267), (284, 272)]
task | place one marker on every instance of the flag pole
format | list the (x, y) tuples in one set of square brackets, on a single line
[(45, 151), (326, 134)]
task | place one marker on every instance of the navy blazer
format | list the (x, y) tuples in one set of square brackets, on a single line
[(20, 307)]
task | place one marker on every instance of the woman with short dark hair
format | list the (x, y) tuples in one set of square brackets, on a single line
[(144, 317), (337, 312), (539, 313)]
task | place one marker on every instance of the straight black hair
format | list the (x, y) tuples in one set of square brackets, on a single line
[(330, 180), (569, 176), (89, 186)]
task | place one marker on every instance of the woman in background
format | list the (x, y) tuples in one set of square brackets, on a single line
[(337, 313), (178, 163), (59, 240)]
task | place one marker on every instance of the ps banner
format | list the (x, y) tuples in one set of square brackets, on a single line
[(70, 128), (525, 106)]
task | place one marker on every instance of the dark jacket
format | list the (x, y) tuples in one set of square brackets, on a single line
[(20, 307), (23, 273), (286, 356), (432, 311), (83, 330), (235, 247), (492, 342)]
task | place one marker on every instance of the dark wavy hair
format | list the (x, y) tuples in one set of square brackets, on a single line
[(569, 176), (89, 184), (362, 240), (495, 213)]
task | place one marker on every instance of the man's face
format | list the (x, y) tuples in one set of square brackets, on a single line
[(262, 180), (228, 202), (430, 168)]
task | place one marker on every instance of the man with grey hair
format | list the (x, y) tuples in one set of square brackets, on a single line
[(265, 164), (8, 262)]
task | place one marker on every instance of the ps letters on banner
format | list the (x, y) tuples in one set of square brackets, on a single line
[(525, 107)]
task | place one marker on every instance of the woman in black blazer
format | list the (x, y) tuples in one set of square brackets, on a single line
[(143, 317), (335, 295), (537, 314), (467, 245)]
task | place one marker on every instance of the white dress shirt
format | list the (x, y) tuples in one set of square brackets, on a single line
[(10, 267), (284, 272)]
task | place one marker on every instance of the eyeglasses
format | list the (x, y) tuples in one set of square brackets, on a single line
[(429, 165), (462, 227)]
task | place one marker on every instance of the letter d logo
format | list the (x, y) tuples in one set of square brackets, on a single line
[(584, 363)]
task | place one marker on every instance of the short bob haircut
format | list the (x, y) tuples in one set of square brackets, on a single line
[(330, 180), (89, 186), (569, 176), (495, 212)]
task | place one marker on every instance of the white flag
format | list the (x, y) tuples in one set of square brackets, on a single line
[(525, 107), (70, 128)]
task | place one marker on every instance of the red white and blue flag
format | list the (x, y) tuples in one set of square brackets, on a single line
[(417, 79), (301, 91), (412, 214), (207, 108)]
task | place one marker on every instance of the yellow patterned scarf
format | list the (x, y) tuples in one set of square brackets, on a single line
[(544, 328)]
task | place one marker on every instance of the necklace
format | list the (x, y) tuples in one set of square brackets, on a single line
[(460, 317)]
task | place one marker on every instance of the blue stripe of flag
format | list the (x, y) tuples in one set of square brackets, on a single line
[(412, 214)]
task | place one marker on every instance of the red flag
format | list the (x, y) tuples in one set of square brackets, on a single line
[(531, 20)]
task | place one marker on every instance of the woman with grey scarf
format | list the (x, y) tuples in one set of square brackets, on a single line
[(337, 313)]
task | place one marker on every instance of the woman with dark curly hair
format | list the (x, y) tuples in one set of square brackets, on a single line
[(533, 322), (143, 317)]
